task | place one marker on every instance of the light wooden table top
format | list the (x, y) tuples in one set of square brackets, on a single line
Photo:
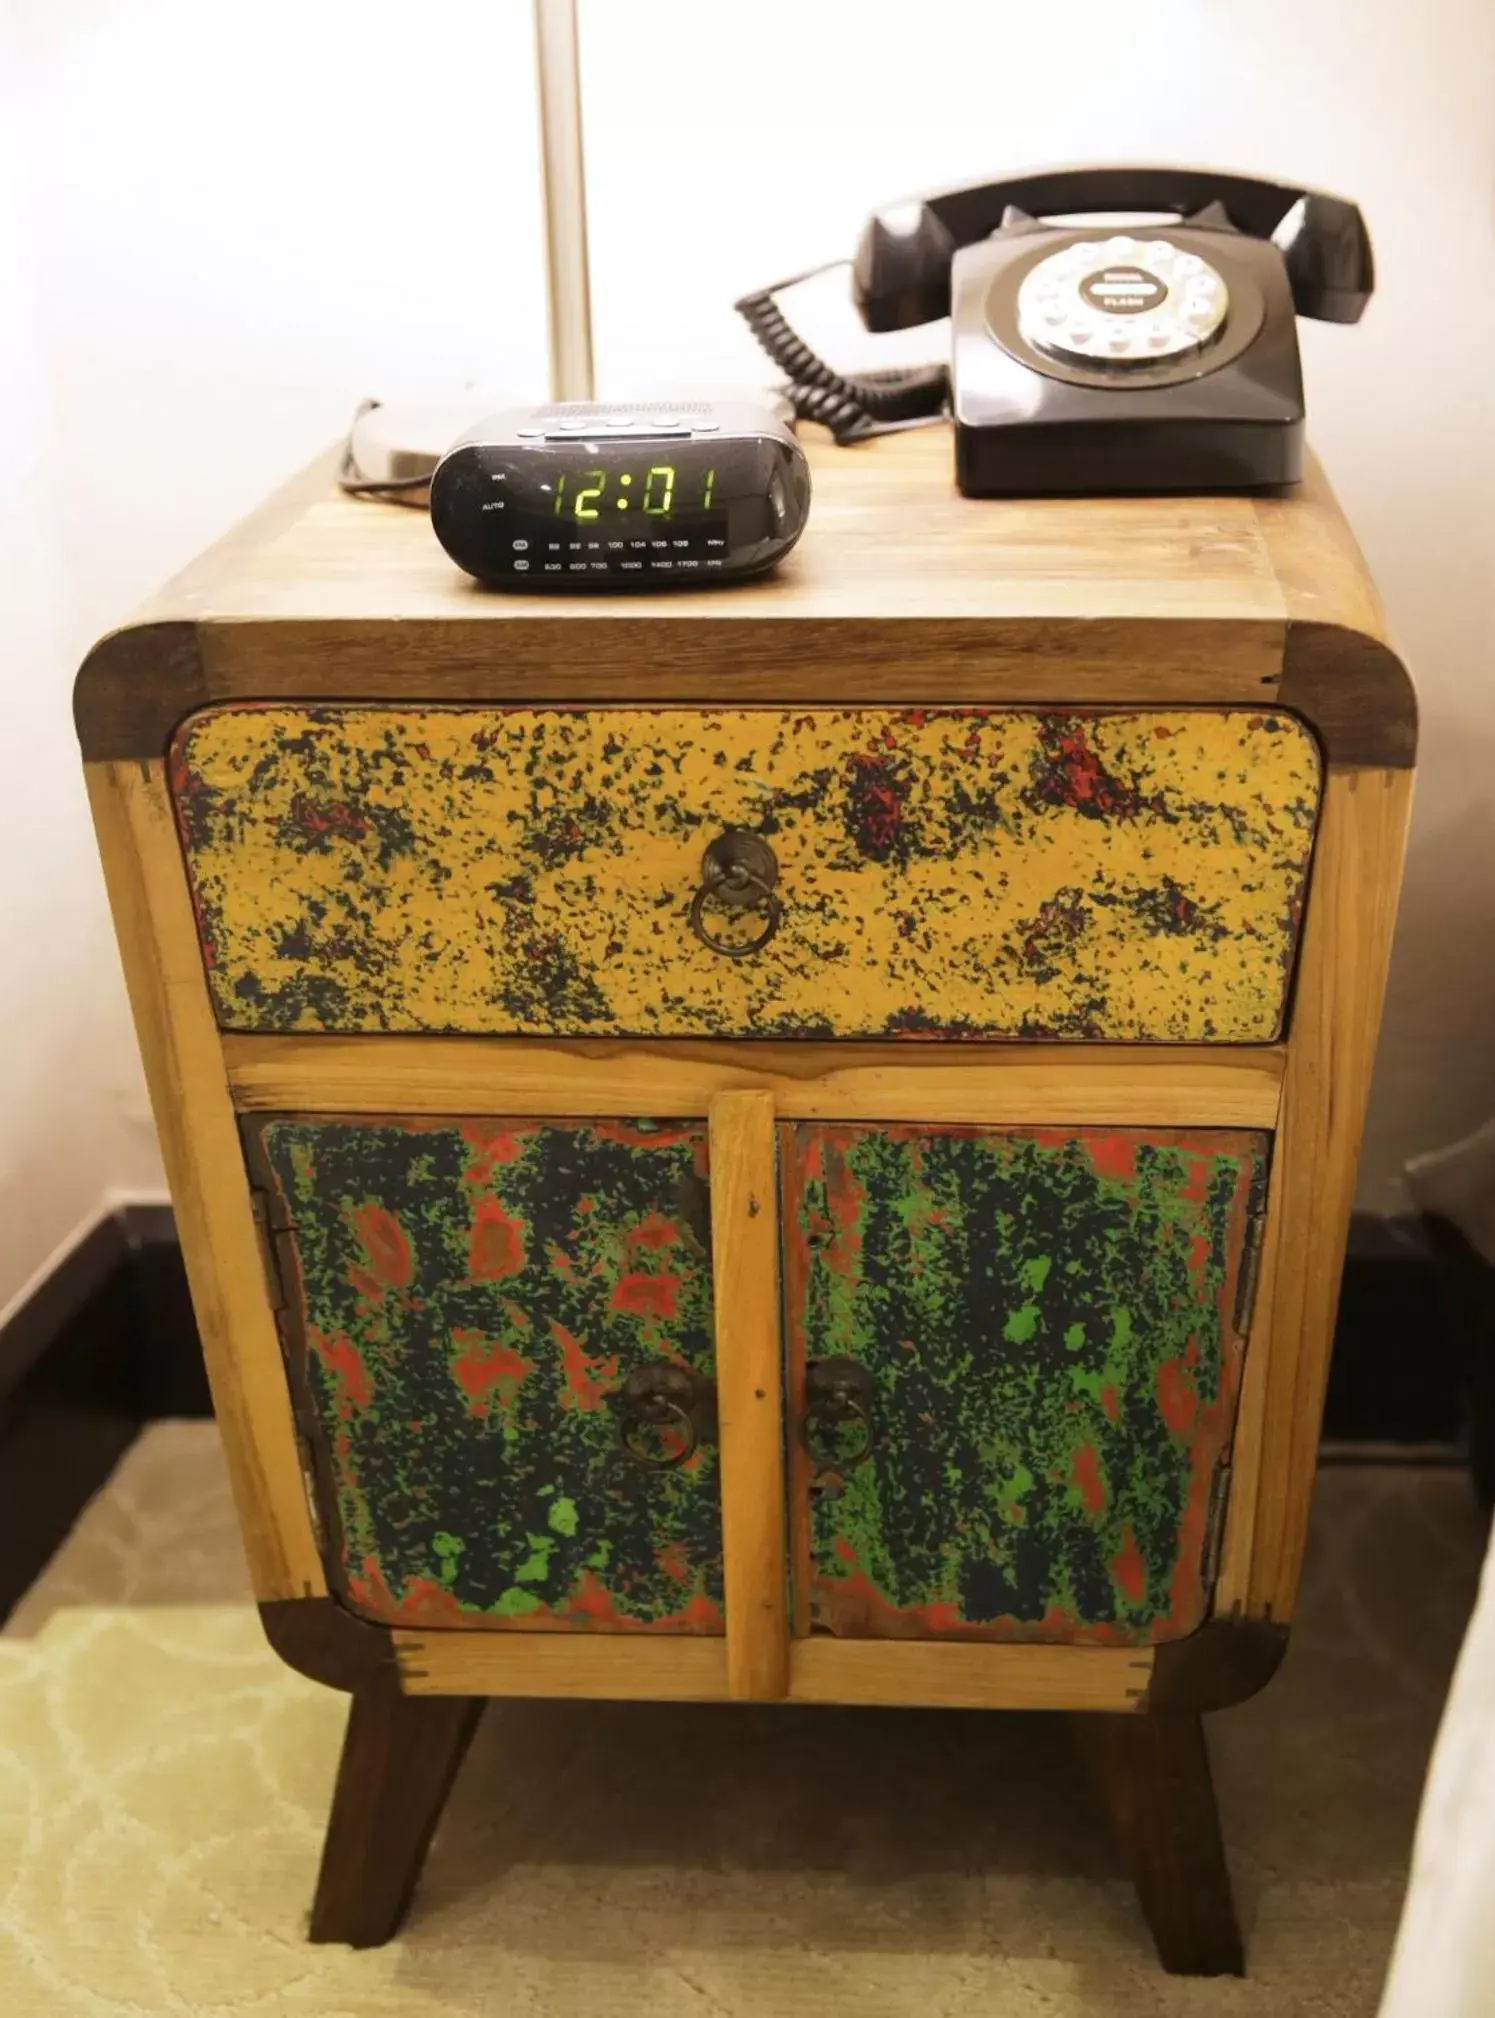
[(899, 589)]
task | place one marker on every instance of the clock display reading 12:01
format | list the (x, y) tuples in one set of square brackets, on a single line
[(653, 493)]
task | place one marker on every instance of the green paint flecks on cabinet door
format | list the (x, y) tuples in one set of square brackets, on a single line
[(1048, 1317), (467, 1299)]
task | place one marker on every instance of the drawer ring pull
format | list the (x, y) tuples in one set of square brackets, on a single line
[(838, 1393), (738, 872), (660, 1407)]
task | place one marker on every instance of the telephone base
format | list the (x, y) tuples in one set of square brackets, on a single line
[(1096, 458)]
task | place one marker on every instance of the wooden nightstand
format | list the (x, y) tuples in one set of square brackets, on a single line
[(792, 1142)]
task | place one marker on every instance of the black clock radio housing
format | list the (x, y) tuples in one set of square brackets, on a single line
[(648, 495)]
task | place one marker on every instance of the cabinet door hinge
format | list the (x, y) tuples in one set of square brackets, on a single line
[(1250, 1270), (269, 1250), (278, 1258), (1214, 1527)]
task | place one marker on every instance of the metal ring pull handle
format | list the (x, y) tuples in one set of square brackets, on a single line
[(664, 1411), (738, 872), (838, 1398)]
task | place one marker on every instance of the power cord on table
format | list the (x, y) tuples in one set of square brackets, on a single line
[(394, 489), (853, 408)]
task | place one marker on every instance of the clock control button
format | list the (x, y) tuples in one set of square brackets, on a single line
[(530, 433), (621, 420), (707, 426)]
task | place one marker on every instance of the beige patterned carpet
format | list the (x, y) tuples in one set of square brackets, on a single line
[(163, 1783)]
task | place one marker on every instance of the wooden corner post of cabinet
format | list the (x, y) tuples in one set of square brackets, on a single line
[(745, 1268), (1336, 1011), (187, 1078)]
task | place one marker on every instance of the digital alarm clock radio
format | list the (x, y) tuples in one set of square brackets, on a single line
[(649, 495)]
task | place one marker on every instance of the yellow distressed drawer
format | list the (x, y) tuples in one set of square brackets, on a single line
[(1018, 873)]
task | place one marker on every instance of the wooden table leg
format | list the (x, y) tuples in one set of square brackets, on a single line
[(1153, 1775), (400, 1757)]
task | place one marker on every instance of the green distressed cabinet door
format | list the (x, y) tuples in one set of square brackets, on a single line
[(465, 1302), (1013, 1358)]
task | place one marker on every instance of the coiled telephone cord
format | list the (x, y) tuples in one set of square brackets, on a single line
[(871, 402)]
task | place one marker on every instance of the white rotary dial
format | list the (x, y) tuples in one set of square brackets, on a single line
[(1125, 302)]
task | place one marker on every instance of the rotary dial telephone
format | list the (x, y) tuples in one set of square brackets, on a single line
[(1088, 357)]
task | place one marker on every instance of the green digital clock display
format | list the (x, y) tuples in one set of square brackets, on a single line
[(653, 491), (652, 496)]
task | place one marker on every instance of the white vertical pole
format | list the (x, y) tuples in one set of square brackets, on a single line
[(569, 289)]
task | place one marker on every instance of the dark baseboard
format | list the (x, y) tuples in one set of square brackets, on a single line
[(1401, 1363), (105, 1344), (109, 1343)]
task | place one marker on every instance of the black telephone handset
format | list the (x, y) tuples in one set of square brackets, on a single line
[(1090, 357), (901, 273)]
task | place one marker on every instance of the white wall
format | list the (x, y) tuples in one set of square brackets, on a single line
[(219, 225), (65, 1064)]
